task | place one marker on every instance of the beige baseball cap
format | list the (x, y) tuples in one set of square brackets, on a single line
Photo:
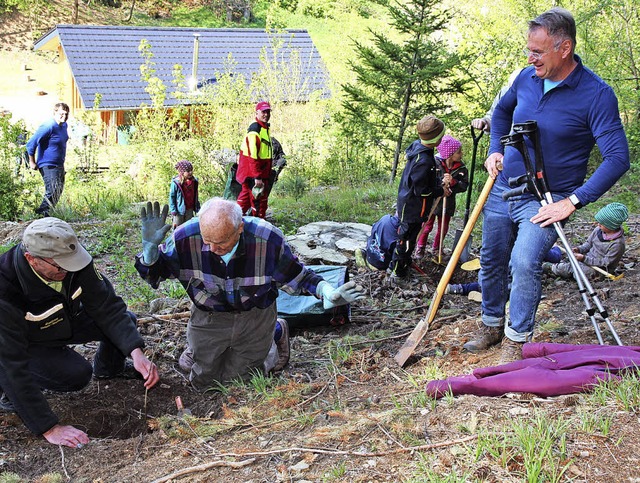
[(53, 238)]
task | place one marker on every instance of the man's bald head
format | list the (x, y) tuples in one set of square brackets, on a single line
[(220, 224)]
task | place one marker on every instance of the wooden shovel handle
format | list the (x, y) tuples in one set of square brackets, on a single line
[(423, 326)]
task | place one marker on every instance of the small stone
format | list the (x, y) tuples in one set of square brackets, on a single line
[(300, 466), (518, 411), (573, 469)]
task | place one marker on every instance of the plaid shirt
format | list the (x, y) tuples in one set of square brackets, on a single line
[(262, 263)]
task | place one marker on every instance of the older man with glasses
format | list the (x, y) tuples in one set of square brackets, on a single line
[(51, 296), (574, 110)]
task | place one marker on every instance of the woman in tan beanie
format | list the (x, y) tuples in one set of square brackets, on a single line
[(419, 186)]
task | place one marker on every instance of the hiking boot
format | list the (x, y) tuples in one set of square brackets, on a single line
[(284, 349), (185, 361), (484, 338), (454, 288), (6, 406), (420, 252), (510, 351), (128, 372)]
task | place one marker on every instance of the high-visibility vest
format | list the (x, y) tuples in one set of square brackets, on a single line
[(255, 153)]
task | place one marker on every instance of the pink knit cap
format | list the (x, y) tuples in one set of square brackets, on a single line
[(448, 146), (184, 166)]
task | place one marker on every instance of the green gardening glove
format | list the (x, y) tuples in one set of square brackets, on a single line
[(154, 230)]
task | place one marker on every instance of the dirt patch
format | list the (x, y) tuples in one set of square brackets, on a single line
[(338, 418)]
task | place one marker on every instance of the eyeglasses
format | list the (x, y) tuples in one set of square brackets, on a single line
[(57, 267), (224, 242), (536, 55)]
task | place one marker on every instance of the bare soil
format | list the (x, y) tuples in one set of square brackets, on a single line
[(333, 421), (340, 421)]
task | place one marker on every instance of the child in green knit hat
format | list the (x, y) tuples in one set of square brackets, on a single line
[(604, 248)]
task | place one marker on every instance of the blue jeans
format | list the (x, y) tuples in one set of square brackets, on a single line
[(53, 178), (512, 246)]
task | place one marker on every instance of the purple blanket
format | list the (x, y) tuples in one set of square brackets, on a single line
[(545, 370)]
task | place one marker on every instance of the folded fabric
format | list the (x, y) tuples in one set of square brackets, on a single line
[(545, 370)]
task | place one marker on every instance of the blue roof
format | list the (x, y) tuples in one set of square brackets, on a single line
[(106, 60)]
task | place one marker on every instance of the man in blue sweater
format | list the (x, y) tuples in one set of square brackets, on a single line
[(574, 110), (50, 141)]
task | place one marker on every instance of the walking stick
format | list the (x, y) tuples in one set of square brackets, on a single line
[(423, 326), (441, 228), (476, 141), (464, 256), (536, 183)]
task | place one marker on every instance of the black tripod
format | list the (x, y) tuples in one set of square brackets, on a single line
[(535, 182)]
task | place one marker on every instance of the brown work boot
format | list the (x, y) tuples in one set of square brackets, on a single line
[(510, 351), (484, 338), (283, 345)]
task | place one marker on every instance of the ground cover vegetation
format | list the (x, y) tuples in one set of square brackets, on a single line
[(447, 59), (342, 411)]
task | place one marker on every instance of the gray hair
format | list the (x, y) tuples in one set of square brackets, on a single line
[(228, 208), (558, 23)]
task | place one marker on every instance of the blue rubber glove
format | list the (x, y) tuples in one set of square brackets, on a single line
[(334, 297), (154, 230)]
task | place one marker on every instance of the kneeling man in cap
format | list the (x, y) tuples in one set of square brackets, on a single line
[(51, 296)]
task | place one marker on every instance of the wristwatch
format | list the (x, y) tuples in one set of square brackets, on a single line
[(575, 201)]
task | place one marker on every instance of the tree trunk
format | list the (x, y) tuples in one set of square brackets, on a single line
[(133, 4), (403, 122), (74, 12), (247, 11)]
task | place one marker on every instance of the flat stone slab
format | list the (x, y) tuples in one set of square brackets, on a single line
[(329, 242)]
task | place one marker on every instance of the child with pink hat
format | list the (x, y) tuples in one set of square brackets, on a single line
[(448, 160)]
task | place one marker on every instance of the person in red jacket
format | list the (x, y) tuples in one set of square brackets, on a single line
[(254, 164)]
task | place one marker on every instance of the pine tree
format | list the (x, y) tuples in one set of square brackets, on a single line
[(400, 82)]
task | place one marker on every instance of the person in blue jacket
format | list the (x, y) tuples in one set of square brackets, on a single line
[(380, 244), (574, 110), (50, 143)]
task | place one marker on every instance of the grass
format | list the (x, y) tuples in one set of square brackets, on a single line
[(364, 204), (336, 473)]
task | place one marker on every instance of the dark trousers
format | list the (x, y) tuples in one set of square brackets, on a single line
[(60, 368), (53, 178), (401, 259)]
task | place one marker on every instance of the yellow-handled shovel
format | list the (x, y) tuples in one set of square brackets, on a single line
[(423, 326)]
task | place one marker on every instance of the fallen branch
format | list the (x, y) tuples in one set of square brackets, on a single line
[(204, 467), (409, 449), (64, 468), (312, 397), (154, 317)]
